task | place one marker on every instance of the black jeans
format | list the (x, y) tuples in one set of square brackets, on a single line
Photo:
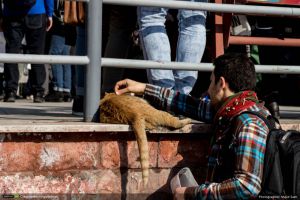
[(33, 27), (119, 23)]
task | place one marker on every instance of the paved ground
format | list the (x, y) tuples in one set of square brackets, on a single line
[(25, 110)]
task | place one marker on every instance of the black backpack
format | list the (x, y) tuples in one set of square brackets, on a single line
[(19, 5), (281, 172)]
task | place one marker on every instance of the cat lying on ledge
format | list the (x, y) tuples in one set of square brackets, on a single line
[(135, 111)]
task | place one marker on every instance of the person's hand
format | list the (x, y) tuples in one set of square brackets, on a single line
[(179, 193), (127, 85), (49, 23), (184, 193)]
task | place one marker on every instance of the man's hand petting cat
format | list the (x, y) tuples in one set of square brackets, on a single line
[(127, 86)]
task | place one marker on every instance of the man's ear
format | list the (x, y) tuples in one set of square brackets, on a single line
[(222, 82)]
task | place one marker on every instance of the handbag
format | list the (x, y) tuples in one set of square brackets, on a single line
[(74, 12)]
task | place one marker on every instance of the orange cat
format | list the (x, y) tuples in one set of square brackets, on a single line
[(126, 109)]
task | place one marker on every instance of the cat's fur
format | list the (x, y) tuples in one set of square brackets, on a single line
[(135, 111)]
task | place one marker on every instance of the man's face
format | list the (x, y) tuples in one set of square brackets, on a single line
[(215, 91)]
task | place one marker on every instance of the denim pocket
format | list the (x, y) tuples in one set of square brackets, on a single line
[(34, 21)]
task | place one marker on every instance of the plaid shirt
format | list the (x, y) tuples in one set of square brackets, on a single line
[(248, 154)]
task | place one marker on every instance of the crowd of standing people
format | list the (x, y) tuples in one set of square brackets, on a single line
[(52, 36)]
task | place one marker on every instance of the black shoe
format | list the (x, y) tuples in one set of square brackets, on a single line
[(77, 108), (1, 96), (38, 97), (67, 97), (10, 97), (54, 96)]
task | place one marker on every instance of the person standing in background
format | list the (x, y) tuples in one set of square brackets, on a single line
[(60, 45), (32, 19), (156, 45), (121, 24), (118, 24)]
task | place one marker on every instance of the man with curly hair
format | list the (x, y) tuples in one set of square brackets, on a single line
[(236, 159)]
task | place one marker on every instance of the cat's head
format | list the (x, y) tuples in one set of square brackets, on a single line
[(107, 96)]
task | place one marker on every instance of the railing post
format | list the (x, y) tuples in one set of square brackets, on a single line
[(93, 70)]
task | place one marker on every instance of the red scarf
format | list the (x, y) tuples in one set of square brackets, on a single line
[(235, 104)]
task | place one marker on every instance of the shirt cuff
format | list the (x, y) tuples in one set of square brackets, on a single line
[(152, 90)]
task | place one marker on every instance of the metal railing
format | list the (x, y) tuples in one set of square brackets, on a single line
[(94, 61), (93, 71), (213, 7)]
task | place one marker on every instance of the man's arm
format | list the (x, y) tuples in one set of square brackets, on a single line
[(168, 100), (49, 7), (180, 104)]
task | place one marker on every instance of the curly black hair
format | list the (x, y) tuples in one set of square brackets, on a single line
[(238, 71)]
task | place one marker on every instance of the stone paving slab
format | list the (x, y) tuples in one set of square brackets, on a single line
[(27, 111)]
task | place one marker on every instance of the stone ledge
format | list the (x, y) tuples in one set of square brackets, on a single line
[(93, 127), (68, 127)]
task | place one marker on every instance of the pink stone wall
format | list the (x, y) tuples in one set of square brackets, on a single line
[(95, 165)]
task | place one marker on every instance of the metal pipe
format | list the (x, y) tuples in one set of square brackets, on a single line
[(147, 64), (144, 64), (93, 71), (133, 64), (266, 41), (212, 7), (42, 59), (277, 69)]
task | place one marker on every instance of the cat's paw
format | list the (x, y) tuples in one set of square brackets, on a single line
[(186, 121)]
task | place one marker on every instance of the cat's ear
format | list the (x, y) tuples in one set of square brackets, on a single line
[(106, 93)]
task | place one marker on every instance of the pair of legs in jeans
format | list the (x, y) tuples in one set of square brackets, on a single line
[(33, 27), (156, 46), (61, 72)]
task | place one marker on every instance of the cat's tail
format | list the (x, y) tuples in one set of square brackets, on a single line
[(138, 126)]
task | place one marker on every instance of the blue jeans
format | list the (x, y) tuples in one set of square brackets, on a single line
[(61, 72), (156, 46)]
